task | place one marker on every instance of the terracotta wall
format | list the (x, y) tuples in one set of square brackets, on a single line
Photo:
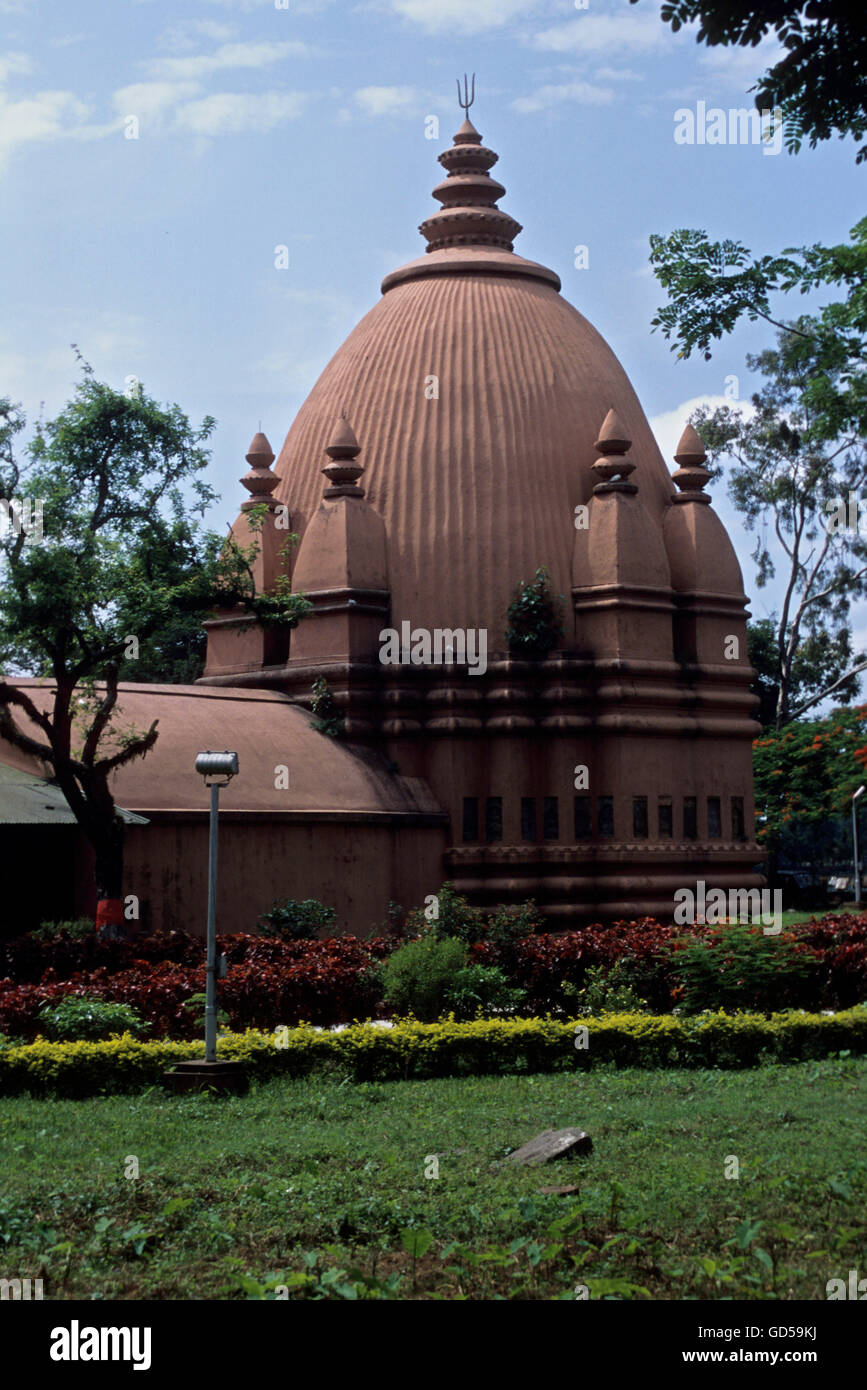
[(354, 868)]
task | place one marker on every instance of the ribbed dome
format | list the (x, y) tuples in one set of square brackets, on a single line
[(476, 473)]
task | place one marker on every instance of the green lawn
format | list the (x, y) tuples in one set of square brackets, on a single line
[(308, 1178)]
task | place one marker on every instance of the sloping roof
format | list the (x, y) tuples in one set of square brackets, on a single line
[(268, 732), (27, 799)]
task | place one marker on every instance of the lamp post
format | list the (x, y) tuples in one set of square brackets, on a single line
[(218, 769), (213, 766), (855, 850)]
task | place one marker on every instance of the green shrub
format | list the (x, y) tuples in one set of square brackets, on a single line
[(79, 1018), (448, 916), (196, 1006), (294, 920), (508, 927), (481, 989), (734, 967), (416, 977), (328, 717), (535, 619), (76, 930), (606, 991), (447, 1048)]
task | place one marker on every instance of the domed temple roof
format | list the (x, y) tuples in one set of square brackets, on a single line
[(266, 730), (477, 392)]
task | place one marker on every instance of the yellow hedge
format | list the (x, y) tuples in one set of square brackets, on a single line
[(447, 1048)]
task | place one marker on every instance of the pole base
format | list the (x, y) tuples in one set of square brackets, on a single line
[(225, 1077)]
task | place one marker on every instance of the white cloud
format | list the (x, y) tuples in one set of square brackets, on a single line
[(386, 101), (229, 55), (462, 16), (591, 33), (584, 92), (740, 66), (230, 113), (13, 64), (151, 101), (617, 75), (186, 33), (44, 116)]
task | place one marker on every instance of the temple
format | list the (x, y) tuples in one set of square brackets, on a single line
[(472, 429)]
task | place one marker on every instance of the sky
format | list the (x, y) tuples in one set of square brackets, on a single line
[(153, 155)]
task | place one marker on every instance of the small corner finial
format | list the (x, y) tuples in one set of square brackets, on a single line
[(691, 475), (613, 467), (469, 95), (343, 469)]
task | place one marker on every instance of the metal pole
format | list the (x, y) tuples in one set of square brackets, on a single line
[(211, 966), (855, 850)]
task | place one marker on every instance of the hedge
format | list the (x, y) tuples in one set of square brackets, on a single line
[(418, 1050)]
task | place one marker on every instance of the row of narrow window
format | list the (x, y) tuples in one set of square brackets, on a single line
[(603, 806)]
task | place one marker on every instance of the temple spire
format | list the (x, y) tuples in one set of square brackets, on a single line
[(469, 215)]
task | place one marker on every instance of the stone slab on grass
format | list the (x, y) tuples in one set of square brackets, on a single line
[(551, 1144)]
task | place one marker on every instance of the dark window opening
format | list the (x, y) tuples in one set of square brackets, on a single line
[(606, 816), (583, 818), (666, 818), (739, 828), (690, 818), (528, 818), (714, 818), (550, 818), (494, 818), (639, 817), (471, 818)]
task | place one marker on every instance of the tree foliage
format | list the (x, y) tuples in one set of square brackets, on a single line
[(807, 772), (122, 569), (706, 302), (790, 483), (820, 82)]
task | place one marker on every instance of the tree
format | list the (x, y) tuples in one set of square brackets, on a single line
[(122, 561), (805, 774), (821, 659), (706, 302), (820, 84), (788, 478), (802, 449)]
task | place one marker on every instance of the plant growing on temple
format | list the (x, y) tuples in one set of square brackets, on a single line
[(281, 607), (328, 718), (116, 481), (535, 618)]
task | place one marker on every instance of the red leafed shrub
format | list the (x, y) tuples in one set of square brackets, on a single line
[(842, 942), (273, 983), (544, 963), (27, 958)]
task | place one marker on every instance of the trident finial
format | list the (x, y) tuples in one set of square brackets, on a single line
[(469, 94)]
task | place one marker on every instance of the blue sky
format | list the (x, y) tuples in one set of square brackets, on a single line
[(304, 126)]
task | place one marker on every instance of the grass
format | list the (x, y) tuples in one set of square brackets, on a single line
[(320, 1186)]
